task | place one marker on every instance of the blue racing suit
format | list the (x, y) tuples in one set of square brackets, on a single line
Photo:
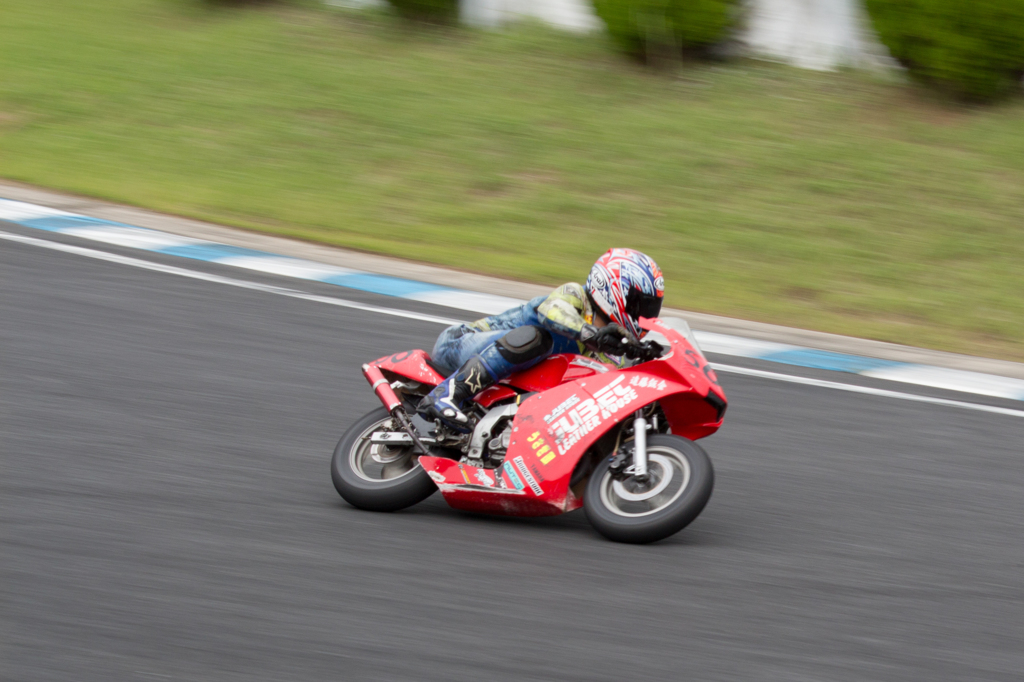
[(562, 313), (478, 354)]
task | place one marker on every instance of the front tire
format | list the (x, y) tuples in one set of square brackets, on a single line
[(680, 485), (374, 477)]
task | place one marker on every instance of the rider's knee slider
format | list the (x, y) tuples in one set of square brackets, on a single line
[(526, 343)]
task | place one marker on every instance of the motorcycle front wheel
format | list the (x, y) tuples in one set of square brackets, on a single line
[(680, 482), (377, 477)]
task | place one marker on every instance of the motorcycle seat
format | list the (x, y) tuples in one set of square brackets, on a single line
[(433, 365)]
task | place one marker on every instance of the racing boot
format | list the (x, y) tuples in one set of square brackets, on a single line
[(446, 401)]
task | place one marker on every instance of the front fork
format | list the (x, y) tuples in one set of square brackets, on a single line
[(638, 469), (393, 404), (640, 445)]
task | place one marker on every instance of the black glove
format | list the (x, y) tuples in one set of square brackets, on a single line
[(644, 350), (610, 338)]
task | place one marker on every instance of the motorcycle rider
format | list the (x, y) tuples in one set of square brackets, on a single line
[(599, 319)]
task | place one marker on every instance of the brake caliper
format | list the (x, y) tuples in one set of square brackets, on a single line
[(618, 465)]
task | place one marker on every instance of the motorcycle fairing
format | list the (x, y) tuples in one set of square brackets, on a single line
[(543, 375), (554, 429), (551, 372), (411, 364), (506, 490), (494, 394), (551, 432), (556, 426)]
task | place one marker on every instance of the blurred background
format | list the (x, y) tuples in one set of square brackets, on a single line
[(851, 166), (847, 167)]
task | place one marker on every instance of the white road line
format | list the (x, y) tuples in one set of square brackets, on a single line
[(726, 344), (952, 380), (131, 237), (206, 277), (807, 381), (19, 210), (284, 266), (292, 293)]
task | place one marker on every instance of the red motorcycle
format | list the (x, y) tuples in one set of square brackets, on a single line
[(566, 433)]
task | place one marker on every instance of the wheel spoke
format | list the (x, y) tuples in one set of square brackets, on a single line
[(670, 475), (370, 464)]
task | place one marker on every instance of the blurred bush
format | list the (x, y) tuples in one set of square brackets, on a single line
[(235, 3), (973, 49), (666, 29), (433, 11)]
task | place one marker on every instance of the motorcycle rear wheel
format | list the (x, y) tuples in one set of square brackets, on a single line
[(373, 477), (680, 485)]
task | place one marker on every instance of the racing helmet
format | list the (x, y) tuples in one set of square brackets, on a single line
[(626, 285)]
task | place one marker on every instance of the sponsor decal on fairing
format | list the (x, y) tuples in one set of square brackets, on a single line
[(513, 476), (530, 480), (648, 382), (590, 413), (540, 448), (581, 361), (562, 407)]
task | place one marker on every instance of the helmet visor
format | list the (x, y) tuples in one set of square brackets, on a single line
[(639, 304)]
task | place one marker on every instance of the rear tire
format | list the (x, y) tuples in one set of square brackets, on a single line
[(377, 478), (681, 482)]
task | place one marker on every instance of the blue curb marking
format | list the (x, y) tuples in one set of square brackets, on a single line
[(52, 220), (58, 223), (384, 285), (362, 281), (211, 252), (823, 359)]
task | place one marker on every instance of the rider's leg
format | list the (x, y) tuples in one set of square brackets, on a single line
[(513, 351), (459, 343)]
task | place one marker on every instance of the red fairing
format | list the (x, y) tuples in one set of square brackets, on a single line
[(575, 401), (411, 364), (494, 394), (698, 412), (492, 491), (553, 371), (581, 366), (543, 375), (554, 429)]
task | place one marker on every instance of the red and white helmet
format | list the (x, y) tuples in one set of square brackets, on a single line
[(626, 285)]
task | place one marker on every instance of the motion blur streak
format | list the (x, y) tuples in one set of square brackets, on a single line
[(866, 390), (292, 293), (168, 514), (184, 272)]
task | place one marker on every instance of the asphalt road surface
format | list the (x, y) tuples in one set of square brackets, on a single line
[(167, 513)]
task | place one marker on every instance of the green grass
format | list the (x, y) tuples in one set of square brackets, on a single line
[(827, 201)]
